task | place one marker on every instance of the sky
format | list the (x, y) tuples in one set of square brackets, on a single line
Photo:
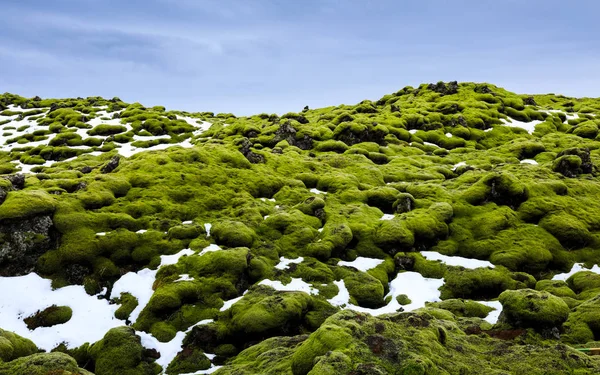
[(276, 56)]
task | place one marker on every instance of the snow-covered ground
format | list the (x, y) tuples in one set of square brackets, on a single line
[(29, 126), (296, 285), (418, 288), (576, 268), (284, 263), (529, 126), (362, 263), (456, 260)]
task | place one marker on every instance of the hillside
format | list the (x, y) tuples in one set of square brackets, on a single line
[(444, 229)]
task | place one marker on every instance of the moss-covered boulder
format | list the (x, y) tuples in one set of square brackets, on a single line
[(120, 352), (528, 308), (232, 234), (13, 346), (43, 364), (48, 317)]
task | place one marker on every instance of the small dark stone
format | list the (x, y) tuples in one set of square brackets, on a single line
[(305, 109), (252, 157), (76, 273), (17, 181), (443, 88), (80, 186), (87, 169), (36, 99), (111, 165), (394, 108), (405, 263), (529, 101)]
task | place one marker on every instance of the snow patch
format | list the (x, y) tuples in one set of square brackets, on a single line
[(362, 263), (529, 126), (576, 268), (493, 315), (529, 161), (284, 263), (387, 217), (296, 285), (23, 296), (456, 260)]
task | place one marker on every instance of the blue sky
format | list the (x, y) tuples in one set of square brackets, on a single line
[(246, 57)]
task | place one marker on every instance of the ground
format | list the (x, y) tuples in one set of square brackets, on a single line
[(447, 228)]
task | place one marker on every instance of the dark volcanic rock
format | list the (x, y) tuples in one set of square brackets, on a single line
[(22, 243), (444, 88), (287, 132), (252, 157), (17, 181), (111, 165), (573, 162)]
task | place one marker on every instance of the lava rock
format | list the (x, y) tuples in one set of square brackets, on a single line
[(111, 165)]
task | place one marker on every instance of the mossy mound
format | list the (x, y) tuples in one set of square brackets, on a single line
[(527, 308), (121, 352), (405, 343), (49, 317)]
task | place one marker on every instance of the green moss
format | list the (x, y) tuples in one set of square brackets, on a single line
[(463, 308), (120, 352), (23, 204), (128, 304), (188, 361), (43, 364), (49, 317), (232, 234), (528, 308), (13, 346)]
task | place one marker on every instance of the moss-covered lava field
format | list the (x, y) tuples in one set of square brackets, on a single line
[(450, 228)]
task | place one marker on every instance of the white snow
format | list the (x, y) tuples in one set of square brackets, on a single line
[(101, 234), (212, 369), (529, 126), (493, 316), (187, 222), (413, 131), (460, 164), (141, 231), (167, 350), (449, 135), (210, 248), (529, 161), (343, 296), (139, 284), (284, 263), (227, 304), (207, 226), (387, 217), (315, 191), (418, 288), (184, 277), (296, 285), (362, 263), (22, 296), (430, 144), (456, 260), (576, 268)]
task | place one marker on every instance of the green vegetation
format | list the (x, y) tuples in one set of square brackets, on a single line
[(431, 168)]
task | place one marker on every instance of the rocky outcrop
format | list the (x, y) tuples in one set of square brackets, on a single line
[(287, 132), (252, 156), (444, 88), (23, 241), (573, 162), (111, 165)]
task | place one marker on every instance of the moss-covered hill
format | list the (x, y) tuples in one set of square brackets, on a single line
[(287, 244)]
